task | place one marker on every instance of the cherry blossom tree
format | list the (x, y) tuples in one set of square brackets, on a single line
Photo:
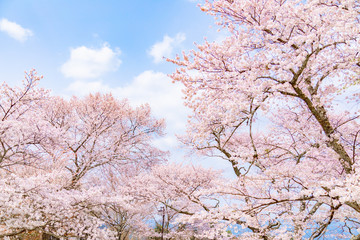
[(122, 212), (174, 190), (40, 203), (100, 131), (19, 108), (56, 156), (278, 99)]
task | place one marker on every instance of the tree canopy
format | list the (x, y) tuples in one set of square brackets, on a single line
[(277, 98), (294, 66)]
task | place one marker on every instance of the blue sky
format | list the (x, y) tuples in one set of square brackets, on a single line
[(108, 46), (130, 26)]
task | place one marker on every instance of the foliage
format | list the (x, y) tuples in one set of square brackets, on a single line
[(269, 99), (290, 65), (57, 156)]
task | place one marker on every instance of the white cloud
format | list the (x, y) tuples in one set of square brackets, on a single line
[(165, 48), (87, 63), (83, 88), (14, 30), (157, 89)]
